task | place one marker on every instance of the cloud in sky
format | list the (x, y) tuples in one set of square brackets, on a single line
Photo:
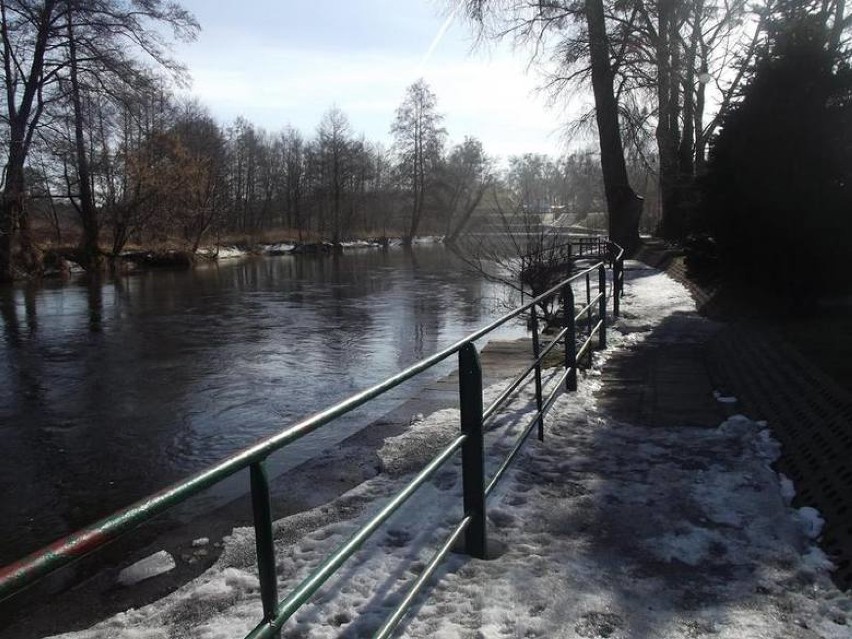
[(286, 63)]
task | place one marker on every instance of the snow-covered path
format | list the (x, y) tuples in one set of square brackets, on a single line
[(608, 530)]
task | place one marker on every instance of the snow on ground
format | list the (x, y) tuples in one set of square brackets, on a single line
[(223, 252), (608, 530), (147, 568), (279, 248), (360, 244)]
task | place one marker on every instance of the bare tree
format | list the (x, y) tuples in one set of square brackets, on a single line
[(28, 28), (467, 174), (54, 53), (419, 140), (513, 247), (293, 153), (334, 144), (587, 43)]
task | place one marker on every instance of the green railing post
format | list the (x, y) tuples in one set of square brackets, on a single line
[(602, 302), (264, 544), (473, 466), (536, 353), (570, 337), (589, 319), (616, 288)]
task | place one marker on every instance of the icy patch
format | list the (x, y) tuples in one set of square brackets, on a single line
[(428, 239), (767, 447), (152, 566), (359, 244), (811, 520), (280, 248), (691, 545), (421, 441), (223, 252), (724, 399), (815, 559), (738, 426), (788, 490)]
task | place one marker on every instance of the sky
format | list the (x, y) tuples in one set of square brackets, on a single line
[(285, 62)]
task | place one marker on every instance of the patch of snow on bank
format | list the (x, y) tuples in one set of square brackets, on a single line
[(812, 521), (421, 441), (428, 239), (724, 399), (151, 566), (788, 490), (360, 244), (610, 530), (278, 249), (222, 252)]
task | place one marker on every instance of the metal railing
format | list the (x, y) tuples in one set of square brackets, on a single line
[(474, 416)]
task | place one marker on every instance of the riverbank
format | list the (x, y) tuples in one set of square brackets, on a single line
[(64, 262), (322, 480), (113, 389)]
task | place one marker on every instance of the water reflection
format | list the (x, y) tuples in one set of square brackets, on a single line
[(110, 390)]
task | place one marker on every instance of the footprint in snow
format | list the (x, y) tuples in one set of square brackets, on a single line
[(598, 624)]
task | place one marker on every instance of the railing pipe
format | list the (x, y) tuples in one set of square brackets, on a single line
[(511, 388), (264, 543), (616, 288), (589, 302), (586, 310), (570, 337), (506, 393), (313, 582), (557, 389), (584, 349), (391, 623), (473, 453), (602, 302), (536, 356), (492, 484), (617, 257)]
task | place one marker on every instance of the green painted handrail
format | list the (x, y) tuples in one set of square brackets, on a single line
[(318, 577)]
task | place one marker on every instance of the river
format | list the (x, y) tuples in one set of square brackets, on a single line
[(111, 390)]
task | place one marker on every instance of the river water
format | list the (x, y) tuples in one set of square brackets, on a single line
[(112, 390)]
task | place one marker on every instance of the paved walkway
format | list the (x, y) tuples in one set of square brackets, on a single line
[(808, 412), (664, 381)]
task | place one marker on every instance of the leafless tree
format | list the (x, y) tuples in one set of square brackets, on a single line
[(54, 52), (419, 140)]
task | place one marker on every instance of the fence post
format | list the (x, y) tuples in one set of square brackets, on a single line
[(570, 337), (473, 466), (602, 302), (263, 541), (536, 352), (590, 325), (617, 266)]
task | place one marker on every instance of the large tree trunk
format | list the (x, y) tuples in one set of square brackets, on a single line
[(11, 207), (90, 249), (686, 157), (667, 121), (625, 207), (13, 217), (23, 117)]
